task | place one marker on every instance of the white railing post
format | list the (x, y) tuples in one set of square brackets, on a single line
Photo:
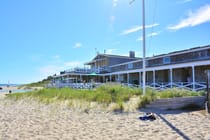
[(193, 77)]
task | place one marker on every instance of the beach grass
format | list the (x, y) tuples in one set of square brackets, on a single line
[(112, 97), (175, 92)]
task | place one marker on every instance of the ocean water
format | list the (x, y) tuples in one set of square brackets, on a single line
[(13, 91), (10, 84)]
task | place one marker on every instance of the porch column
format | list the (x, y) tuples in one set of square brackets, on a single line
[(128, 78), (139, 79), (153, 78), (118, 77), (171, 77), (193, 77), (110, 78), (103, 79), (80, 76)]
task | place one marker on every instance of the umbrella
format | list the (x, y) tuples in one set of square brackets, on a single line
[(93, 74)]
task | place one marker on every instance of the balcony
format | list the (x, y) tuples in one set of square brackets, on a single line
[(87, 70)]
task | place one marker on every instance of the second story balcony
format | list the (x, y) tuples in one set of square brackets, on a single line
[(97, 70)]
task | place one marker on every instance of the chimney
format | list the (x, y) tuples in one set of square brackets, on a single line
[(132, 54)]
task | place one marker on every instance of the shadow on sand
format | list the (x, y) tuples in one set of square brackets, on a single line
[(161, 113)]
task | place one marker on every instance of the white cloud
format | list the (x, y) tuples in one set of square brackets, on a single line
[(77, 45), (152, 34), (149, 35), (131, 30), (201, 15), (137, 28), (151, 25)]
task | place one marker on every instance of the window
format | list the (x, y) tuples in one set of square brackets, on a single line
[(130, 65), (166, 60)]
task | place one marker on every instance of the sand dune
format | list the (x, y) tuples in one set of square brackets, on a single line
[(28, 119)]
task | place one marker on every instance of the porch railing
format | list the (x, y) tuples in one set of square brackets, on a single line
[(196, 86), (75, 85)]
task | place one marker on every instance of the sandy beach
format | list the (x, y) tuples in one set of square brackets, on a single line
[(28, 119)]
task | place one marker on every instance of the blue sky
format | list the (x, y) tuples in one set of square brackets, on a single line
[(41, 37)]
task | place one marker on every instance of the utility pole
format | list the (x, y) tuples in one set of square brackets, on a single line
[(144, 49)]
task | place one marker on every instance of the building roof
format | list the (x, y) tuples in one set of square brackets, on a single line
[(169, 54), (98, 57), (181, 51)]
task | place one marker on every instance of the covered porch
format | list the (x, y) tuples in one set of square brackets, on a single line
[(191, 76)]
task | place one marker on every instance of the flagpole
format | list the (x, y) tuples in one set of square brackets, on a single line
[(144, 50)]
